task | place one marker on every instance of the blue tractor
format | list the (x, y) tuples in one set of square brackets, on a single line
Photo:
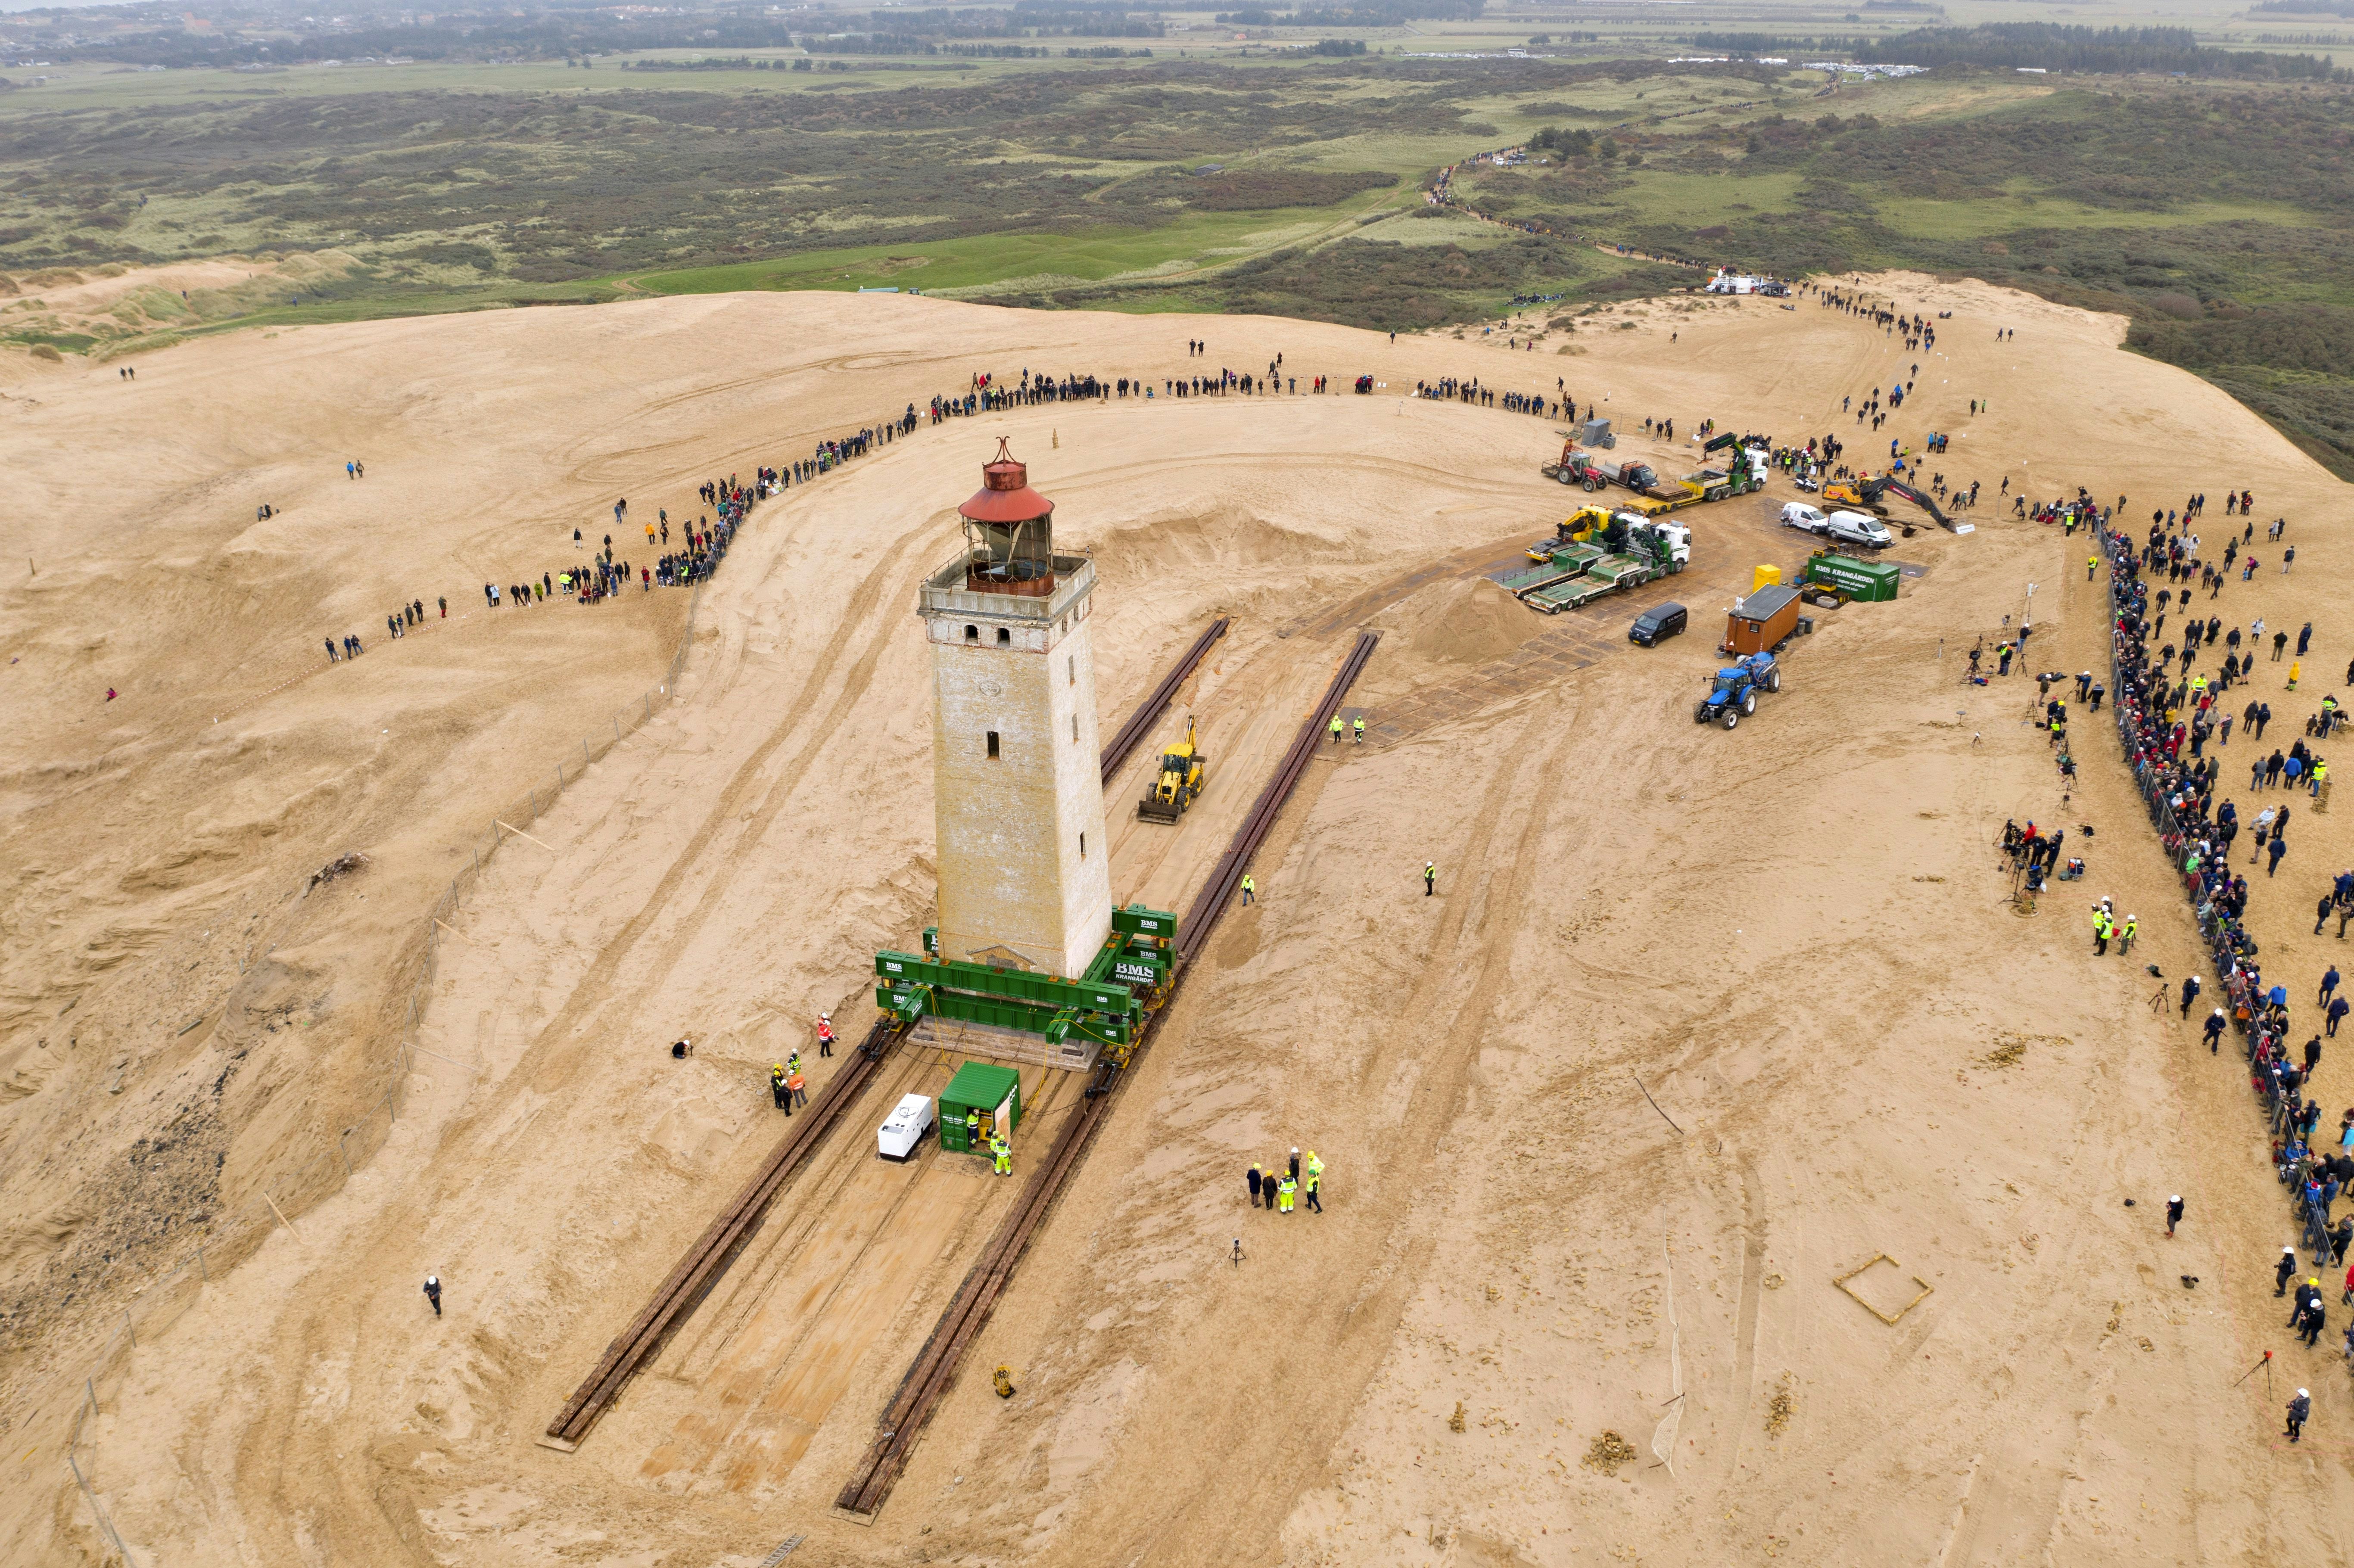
[(1732, 691)]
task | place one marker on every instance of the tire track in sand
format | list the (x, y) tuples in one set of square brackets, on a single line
[(599, 981), (1460, 982)]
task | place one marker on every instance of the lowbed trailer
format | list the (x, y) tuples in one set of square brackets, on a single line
[(1568, 561), (1583, 572), (1611, 574)]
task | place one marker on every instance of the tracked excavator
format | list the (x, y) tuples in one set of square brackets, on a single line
[(1866, 492)]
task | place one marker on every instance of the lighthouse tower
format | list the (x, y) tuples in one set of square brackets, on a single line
[(1024, 863)]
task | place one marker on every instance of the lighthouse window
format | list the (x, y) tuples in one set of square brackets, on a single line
[(1074, 726), (1003, 636), (973, 634), (992, 743), (1073, 669), (1083, 846)]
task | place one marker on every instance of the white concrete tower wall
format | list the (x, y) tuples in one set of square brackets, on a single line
[(1023, 858)]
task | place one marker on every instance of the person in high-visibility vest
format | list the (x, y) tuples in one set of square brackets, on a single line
[(2126, 934), (1361, 729), (1312, 1177), (776, 1089), (1336, 730), (798, 1087), (2092, 564), (1250, 888), (825, 1034), (1002, 1152), (1429, 877), (972, 1131), (2100, 929), (1283, 1194)]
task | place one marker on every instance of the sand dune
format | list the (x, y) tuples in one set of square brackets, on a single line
[(1796, 934)]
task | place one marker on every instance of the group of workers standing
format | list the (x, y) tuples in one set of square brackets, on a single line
[(1277, 1188), (787, 1085)]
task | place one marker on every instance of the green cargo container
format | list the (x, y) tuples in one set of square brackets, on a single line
[(979, 1087), (1872, 582)]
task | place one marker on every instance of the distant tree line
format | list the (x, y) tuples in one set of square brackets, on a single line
[(2105, 50), (1375, 14), (1572, 143), (2044, 46)]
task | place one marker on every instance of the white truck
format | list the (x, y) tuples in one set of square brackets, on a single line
[(1805, 518)]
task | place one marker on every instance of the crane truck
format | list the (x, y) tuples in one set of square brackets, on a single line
[(1744, 472)]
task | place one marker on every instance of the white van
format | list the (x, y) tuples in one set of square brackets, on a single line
[(1858, 528)]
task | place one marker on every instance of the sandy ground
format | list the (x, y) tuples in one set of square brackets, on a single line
[(1796, 934)]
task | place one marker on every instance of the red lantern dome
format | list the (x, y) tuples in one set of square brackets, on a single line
[(1010, 531)]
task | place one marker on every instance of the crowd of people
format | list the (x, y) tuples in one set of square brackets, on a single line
[(700, 544), (2168, 715), (1919, 333)]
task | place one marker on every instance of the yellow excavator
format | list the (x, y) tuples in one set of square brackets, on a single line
[(1575, 529), (1178, 784)]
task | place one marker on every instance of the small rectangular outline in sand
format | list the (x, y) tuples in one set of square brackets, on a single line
[(1878, 1258)]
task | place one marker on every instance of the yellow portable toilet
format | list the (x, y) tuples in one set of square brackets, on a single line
[(1766, 578)]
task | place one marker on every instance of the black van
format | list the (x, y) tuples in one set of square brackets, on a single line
[(1657, 624)]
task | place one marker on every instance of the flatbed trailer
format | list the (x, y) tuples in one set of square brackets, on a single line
[(1612, 574), (1565, 561)]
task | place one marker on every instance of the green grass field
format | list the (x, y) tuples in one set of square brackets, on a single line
[(2192, 207), (1193, 243)]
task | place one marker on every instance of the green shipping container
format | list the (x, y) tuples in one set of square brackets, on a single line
[(979, 1087), (1872, 582)]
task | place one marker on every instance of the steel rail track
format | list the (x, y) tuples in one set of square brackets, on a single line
[(684, 1289), (1140, 722), (686, 1284), (933, 1372)]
